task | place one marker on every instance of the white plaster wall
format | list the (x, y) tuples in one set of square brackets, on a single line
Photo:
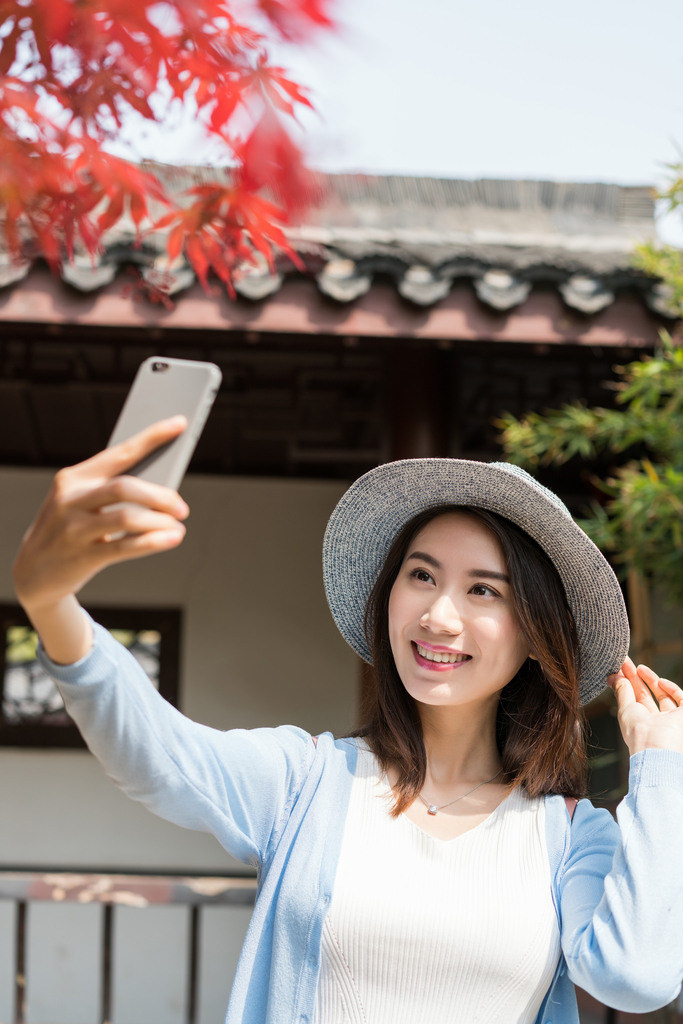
[(259, 648)]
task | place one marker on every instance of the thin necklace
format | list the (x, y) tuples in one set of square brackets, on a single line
[(432, 808)]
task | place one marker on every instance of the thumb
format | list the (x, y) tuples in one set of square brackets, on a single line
[(623, 690)]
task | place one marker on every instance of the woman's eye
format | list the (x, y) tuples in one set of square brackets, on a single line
[(483, 591), (422, 575)]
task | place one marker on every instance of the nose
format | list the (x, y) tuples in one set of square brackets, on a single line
[(443, 617)]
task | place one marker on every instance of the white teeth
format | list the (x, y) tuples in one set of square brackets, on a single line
[(439, 657)]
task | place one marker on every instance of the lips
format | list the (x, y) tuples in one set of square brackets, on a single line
[(444, 660)]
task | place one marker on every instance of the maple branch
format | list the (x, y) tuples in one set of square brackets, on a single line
[(71, 72)]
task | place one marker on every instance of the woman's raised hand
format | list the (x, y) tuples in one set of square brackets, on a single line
[(76, 534), (643, 724)]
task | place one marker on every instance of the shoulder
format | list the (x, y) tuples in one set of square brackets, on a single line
[(590, 829), (342, 751), (293, 747), (578, 816), (288, 738), (282, 764), (302, 750)]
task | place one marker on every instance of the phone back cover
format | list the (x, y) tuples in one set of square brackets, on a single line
[(186, 388)]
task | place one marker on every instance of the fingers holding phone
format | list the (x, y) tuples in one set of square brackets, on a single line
[(133, 509), (71, 538), (162, 388), (124, 456), (120, 504)]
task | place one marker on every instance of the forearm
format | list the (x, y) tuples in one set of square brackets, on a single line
[(65, 632), (233, 784), (155, 754)]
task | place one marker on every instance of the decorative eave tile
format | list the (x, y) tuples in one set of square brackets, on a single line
[(501, 290), (86, 273), (341, 281), (420, 286), (587, 294)]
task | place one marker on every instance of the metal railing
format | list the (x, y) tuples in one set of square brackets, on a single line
[(112, 891)]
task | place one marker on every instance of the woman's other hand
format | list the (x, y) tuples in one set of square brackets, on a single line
[(76, 534), (643, 724)]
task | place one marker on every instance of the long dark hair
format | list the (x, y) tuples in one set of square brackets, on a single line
[(539, 729)]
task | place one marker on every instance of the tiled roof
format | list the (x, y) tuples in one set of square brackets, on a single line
[(506, 237)]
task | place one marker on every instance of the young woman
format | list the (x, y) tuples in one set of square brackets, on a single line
[(436, 867)]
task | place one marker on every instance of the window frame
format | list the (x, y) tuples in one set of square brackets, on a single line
[(167, 621)]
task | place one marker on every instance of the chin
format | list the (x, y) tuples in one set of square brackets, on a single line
[(446, 693), (434, 692)]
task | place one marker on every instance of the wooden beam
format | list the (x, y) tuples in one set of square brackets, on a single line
[(299, 308)]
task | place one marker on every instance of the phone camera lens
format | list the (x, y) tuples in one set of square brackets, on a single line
[(159, 367)]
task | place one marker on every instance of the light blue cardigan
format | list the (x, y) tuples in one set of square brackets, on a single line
[(276, 801)]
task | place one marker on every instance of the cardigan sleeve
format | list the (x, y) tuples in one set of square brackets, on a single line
[(238, 785), (621, 891)]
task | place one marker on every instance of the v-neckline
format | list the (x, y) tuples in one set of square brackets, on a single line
[(462, 835), (363, 747)]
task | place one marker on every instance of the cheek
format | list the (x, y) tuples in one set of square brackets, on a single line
[(495, 629), (402, 611), (503, 633), (395, 615), (516, 645)]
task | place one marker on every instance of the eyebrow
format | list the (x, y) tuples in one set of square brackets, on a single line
[(487, 574), (422, 556)]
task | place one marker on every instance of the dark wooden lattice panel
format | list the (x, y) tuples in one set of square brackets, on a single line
[(296, 413), (290, 405), (287, 411), (491, 380)]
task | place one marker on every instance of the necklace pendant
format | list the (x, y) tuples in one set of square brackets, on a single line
[(432, 809)]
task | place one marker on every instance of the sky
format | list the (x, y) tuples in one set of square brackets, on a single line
[(585, 90)]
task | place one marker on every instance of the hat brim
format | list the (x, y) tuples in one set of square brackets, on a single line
[(378, 505)]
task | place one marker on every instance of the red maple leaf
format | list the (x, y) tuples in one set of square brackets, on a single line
[(294, 18), (69, 72)]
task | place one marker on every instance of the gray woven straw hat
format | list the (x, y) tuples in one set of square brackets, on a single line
[(378, 505)]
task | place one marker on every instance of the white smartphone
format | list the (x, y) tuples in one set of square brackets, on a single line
[(168, 387)]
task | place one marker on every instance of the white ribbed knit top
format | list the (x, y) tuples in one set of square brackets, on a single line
[(426, 931)]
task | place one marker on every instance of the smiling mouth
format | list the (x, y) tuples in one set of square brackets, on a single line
[(441, 656)]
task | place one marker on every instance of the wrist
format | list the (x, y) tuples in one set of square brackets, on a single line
[(663, 740), (42, 607), (64, 630), (33, 595)]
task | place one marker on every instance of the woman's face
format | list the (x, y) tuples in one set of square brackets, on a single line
[(453, 634)]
